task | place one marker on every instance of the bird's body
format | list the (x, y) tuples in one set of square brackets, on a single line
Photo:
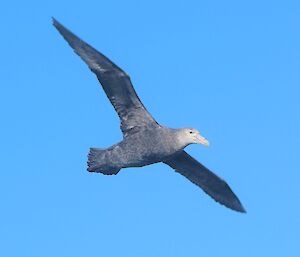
[(145, 141), (147, 146)]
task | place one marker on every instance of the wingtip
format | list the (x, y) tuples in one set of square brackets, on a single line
[(233, 204), (239, 208), (242, 210), (55, 22)]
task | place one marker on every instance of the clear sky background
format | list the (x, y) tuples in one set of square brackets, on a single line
[(227, 68)]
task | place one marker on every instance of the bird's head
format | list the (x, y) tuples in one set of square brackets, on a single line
[(191, 136)]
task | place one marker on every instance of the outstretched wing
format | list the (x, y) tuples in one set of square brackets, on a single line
[(214, 186), (115, 82)]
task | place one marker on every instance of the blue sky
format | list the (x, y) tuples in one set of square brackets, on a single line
[(227, 68)]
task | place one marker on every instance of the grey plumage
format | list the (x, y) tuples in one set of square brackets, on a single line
[(144, 140)]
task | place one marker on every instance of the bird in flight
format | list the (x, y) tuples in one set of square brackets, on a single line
[(144, 140)]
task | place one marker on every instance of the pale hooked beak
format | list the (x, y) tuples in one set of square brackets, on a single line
[(202, 140)]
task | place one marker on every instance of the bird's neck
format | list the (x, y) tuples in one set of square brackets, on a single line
[(182, 141)]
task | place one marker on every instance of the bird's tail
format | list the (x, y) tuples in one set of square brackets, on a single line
[(96, 162)]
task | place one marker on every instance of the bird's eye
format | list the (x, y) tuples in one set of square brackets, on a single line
[(191, 132)]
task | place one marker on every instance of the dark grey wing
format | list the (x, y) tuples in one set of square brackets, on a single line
[(115, 82), (214, 186)]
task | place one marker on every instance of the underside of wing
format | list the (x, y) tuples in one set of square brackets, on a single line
[(214, 186), (115, 82)]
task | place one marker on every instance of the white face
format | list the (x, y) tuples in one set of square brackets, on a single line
[(194, 137)]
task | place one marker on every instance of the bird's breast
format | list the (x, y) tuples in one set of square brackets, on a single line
[(149, 147)]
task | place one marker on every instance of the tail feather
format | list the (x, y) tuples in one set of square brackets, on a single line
[(96, 162), (92, 158)]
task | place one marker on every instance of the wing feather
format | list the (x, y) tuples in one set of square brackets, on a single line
[(115, 82), (211, 184)]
